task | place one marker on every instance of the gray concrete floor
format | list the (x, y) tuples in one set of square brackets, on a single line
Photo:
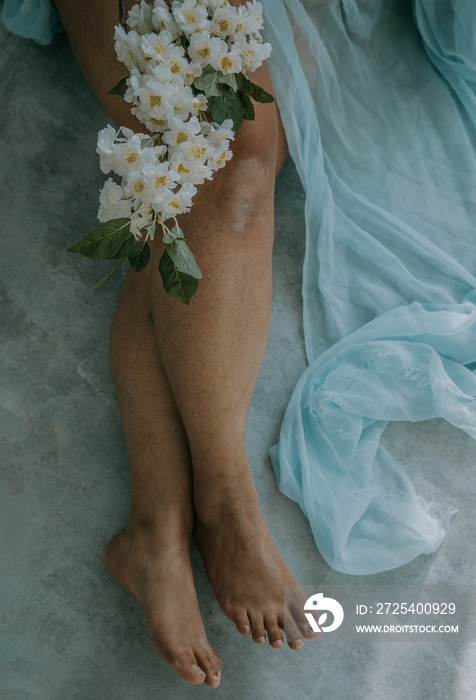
[(67, 629)]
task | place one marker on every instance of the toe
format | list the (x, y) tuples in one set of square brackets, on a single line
[(177, 652), (294, 636), (242, 621), (275, 637), (258, 631), (211, 664), (303, 625), (187, 667)]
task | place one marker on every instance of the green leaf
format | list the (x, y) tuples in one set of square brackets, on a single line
[(258, 94), (139, 256), (126, 248), (209, 83), (247, 105), (178, 284), (104, 242), (107, 277), (243, 83), (120, 88), (170, 236), (252, 90), (227, 106), (229, 80), (183, 259)]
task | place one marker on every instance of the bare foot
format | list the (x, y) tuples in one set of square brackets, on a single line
[(156, 568), (245, 569)]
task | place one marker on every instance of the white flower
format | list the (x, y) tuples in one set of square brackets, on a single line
[(180, 131), (111, 204), (214, 4), (224, 21), (254, 21), (135, 188), (127, 47), (253, 54), (228, 61), (199, 104), (182, 102), (205, 49), (140, 18), (221, 133), (156, 98), (196, 149), (163, 19), (220, 157), (123, 154), (160, 180), (190, 16), (190, 171), (154, 46), (179, 202)]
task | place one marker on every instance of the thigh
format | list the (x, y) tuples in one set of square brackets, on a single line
[(90, 29)]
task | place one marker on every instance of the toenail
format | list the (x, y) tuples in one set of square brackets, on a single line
[(298, 643), (260, 640), (246, 629), (217, 677), (311, 632), (198, 670), (278, 643)]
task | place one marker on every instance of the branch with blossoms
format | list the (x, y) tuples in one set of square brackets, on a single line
[(187, 83)]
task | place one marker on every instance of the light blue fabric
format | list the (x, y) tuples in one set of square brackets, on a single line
[(33, 19), (379, 106)]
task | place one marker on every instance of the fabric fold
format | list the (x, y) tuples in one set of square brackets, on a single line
[(385, 148), (406, 365), (32, 19)]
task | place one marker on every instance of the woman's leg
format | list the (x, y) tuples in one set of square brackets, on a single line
[(211, 351), (150, 556)]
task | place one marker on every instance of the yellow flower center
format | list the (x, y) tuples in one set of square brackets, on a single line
[(182, 136), (158, 123), (175, 68), (205, 52), (182, 169), (155, 101), (139, 186), (226, 63), (160, 182), (132, 156), (223, 25), (197, 152)]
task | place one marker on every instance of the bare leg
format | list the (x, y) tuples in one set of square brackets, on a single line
[(211, 352), (150, 556)]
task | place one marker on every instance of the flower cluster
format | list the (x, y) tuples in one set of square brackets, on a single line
[(166, 48), (187, 63)]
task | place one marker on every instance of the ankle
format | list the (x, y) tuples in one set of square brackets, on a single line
[(166, 526), (224, 495)]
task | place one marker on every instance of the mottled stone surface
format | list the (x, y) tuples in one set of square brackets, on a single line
[(67, 630)]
